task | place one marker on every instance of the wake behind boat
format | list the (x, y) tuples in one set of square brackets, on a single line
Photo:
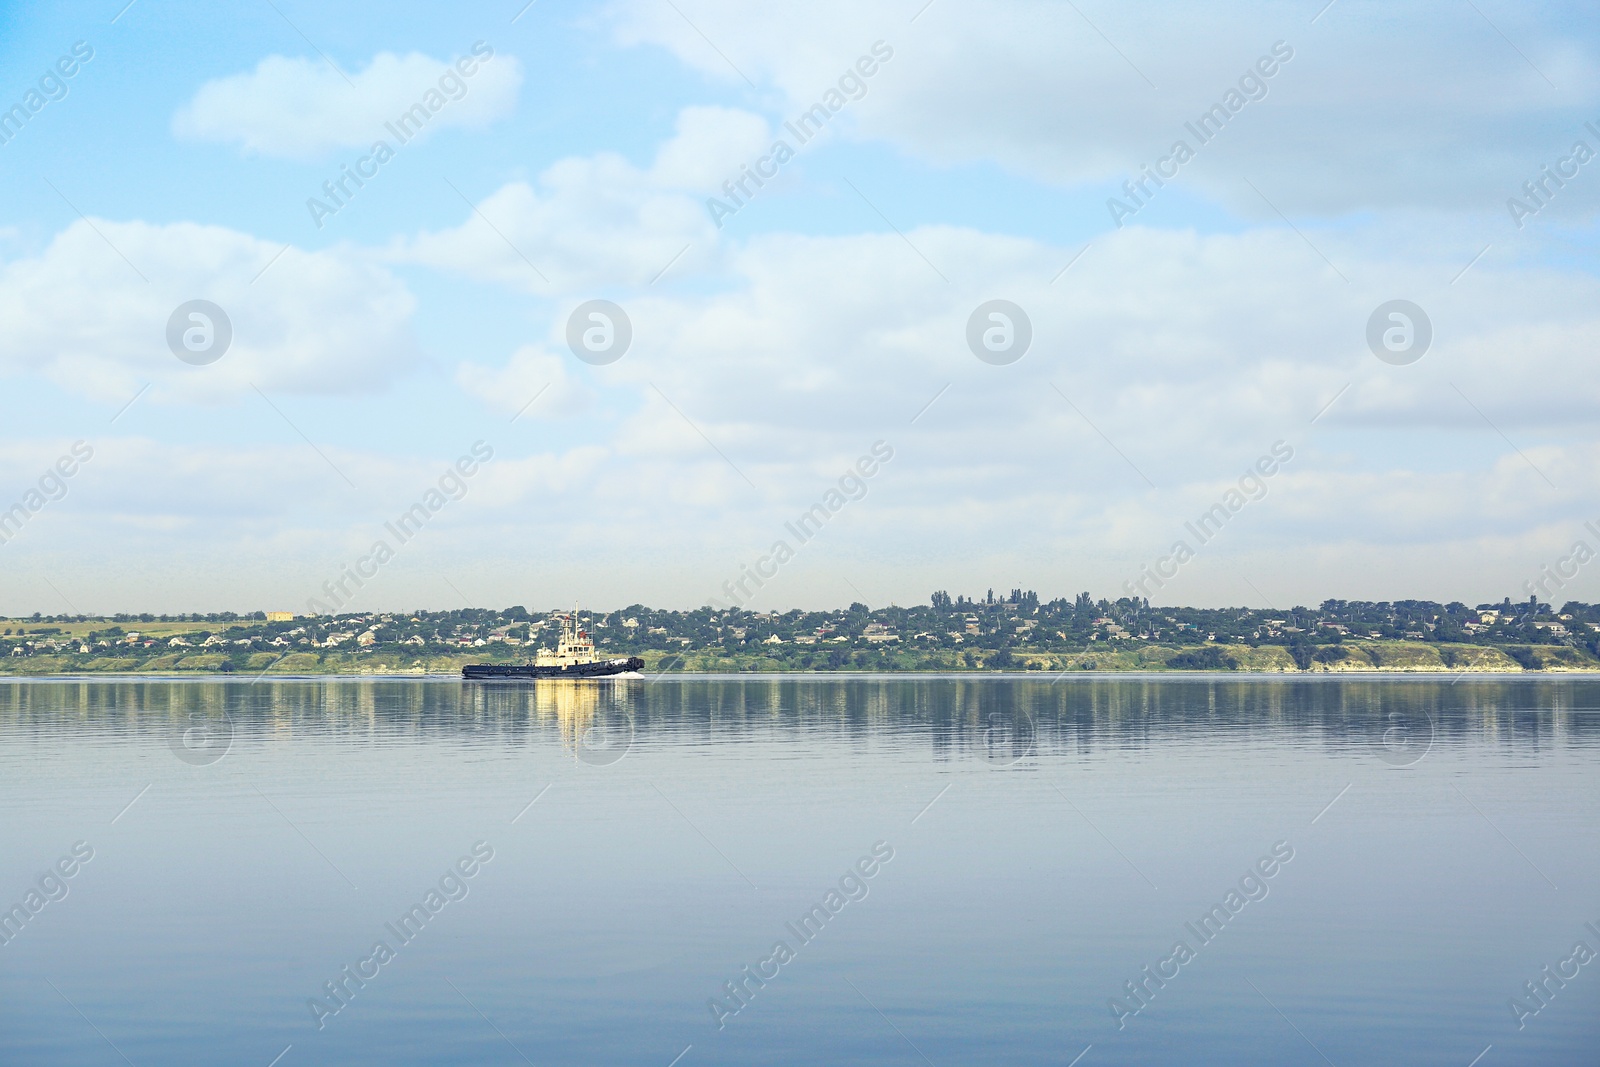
[(574, 657)]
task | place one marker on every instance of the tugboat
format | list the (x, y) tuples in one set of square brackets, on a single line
[(574, 657)]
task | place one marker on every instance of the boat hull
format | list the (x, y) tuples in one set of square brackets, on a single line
[(603, 669)]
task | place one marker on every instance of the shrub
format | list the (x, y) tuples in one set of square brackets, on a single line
[(1525, 657), (1208, 658)]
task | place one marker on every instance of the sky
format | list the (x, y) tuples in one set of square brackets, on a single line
[(1294, 302)]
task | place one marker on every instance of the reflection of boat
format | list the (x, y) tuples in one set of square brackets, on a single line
[(574, 709), (574, 657)]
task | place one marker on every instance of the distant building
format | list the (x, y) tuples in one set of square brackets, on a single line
[(280, 616)]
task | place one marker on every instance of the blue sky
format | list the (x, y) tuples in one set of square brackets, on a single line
[(1375, 163)]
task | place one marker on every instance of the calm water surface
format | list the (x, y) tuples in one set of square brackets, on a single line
[(800, 871)]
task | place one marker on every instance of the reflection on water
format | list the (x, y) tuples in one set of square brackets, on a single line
[(996, 718), (651, 838)]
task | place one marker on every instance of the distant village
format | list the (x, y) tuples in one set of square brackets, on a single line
[(1014, 631)]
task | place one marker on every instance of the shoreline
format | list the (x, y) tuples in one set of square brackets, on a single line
[(1052, 676)]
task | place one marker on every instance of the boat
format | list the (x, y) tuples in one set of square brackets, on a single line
[(574, 657)]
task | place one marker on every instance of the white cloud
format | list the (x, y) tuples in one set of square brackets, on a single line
[(314, 322), (601, 221), (1070, 98), (300, 108), (534, 382), (1192, 353), (708, 146)]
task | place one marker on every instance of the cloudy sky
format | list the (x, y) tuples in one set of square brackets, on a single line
[(401, 209)]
